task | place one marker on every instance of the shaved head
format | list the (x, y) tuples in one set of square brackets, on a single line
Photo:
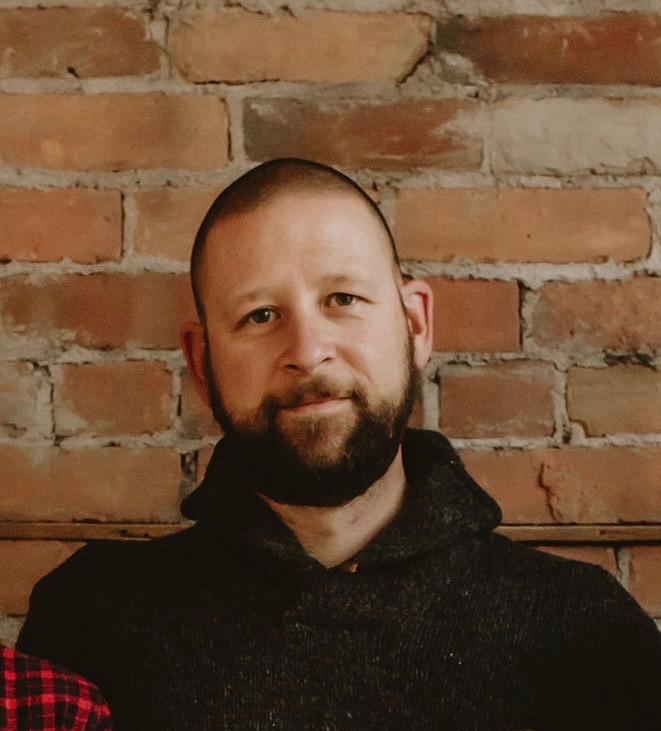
[(266, 182)]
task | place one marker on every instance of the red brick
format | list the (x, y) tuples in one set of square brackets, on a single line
[(98, 310), (475, 315), (497, 400), (603, 556), (608, 485), (529, 225), (167, 220), (113, 484), (78, 224), (22, 564), (313, 45), (562, 135), (397, 136), (645, 577), (196, 418), (614, 400), (128, 397), (113, 131), (597, 315), (582, 485), (623, 48), (511, 477), (80, 41)]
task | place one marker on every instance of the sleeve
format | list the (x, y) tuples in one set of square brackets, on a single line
[(620, 685)]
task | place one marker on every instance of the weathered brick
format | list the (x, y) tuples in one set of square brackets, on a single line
[(196, 418), (404, 134), (129, 397), (617, 399), (22, 564), (78, 224), (107, 484), (581, 485), (167, 220), (313, 45), (24, 401), (98, 310), (622, 48), (563, 136), (497, 400), (529, 225), (82, 42), (603, 556), (608, 485), (475, 315), (597, 315), (645, 577), (113, 131), (511, 477)]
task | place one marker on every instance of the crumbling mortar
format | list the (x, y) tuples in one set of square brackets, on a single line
[(623, 565)]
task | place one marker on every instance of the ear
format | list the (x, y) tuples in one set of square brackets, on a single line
[(418, 300), (193, 343)]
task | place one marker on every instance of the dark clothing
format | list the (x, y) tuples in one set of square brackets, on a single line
[(444, 625), (38, 696)]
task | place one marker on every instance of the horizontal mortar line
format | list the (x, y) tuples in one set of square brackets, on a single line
[(539, 533)]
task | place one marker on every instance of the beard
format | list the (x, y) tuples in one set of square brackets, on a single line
[(325, 460)]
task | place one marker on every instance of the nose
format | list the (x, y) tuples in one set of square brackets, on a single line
[(309, 342)]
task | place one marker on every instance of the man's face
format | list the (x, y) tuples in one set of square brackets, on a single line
[(309, 358)]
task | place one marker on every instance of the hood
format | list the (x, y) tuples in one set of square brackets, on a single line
[(443, 505)]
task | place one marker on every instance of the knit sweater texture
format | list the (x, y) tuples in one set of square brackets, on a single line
[(445, 625)]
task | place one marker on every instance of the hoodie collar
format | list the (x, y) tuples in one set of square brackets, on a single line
[(443, 505)]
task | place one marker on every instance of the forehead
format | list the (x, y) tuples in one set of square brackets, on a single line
[(297, 231)]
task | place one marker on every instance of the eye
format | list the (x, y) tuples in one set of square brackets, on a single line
[(261, 316), (343, 299)]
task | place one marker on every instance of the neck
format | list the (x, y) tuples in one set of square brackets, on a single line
[(333, 535)]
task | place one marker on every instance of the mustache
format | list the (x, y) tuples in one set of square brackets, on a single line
[(315, 389)]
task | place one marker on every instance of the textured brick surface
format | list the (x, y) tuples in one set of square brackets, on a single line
[(313, 45), (616, 399), (512, 478), (82, 225), (112, 484), (606, 485), (129, 397), (528, 49), (167, 220), (113, 131), (645, 577), (80, 42), (561, 136), (24, 401), (582, 485), (420, 133), (595, 315), (475, 315), (22, 564), (497, 400), (98, 310), (529, 225)]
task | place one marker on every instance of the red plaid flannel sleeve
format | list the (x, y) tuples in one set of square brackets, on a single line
[(36, 695)]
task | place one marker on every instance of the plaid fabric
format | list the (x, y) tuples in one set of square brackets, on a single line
[(34, 694)]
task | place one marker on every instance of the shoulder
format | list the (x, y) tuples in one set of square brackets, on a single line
[(578, 598)]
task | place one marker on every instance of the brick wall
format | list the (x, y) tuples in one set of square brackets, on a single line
[(513, 144)]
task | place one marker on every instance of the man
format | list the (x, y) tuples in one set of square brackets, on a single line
[(343, 572), (34, 694)]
